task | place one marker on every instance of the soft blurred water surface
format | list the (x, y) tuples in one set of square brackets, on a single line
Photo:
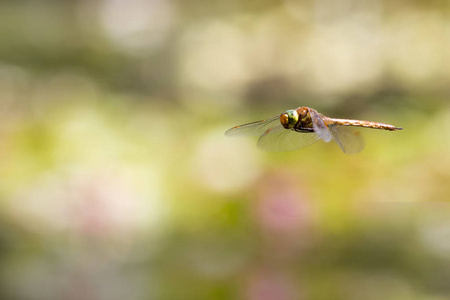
[(117, 181)]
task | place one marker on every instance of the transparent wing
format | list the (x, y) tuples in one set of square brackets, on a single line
[(286, 140), (348, 138), (320, 128), (255, 128)]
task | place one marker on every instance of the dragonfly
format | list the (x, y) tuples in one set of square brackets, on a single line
[(303, 126)]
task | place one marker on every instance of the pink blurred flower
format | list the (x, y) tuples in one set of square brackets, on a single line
[(283, 206), (269, 285)]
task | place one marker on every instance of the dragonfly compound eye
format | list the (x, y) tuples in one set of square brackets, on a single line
[(289, 119)]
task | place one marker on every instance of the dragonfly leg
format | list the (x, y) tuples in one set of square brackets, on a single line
[(303, 129)]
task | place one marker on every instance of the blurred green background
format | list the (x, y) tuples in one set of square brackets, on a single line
[(117, 181)]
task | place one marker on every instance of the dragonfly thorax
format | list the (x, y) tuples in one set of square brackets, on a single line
[(289, 119)]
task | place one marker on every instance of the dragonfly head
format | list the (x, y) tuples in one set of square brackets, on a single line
[(289, 119)]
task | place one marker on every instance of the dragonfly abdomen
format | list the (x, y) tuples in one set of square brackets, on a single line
[(366, 124)]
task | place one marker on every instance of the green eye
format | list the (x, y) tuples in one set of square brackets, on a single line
[(292, 116), (289, 119)]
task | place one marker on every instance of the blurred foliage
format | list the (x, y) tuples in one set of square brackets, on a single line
[(118, 183)]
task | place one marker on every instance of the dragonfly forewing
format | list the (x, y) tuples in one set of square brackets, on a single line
[(257, 128)]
